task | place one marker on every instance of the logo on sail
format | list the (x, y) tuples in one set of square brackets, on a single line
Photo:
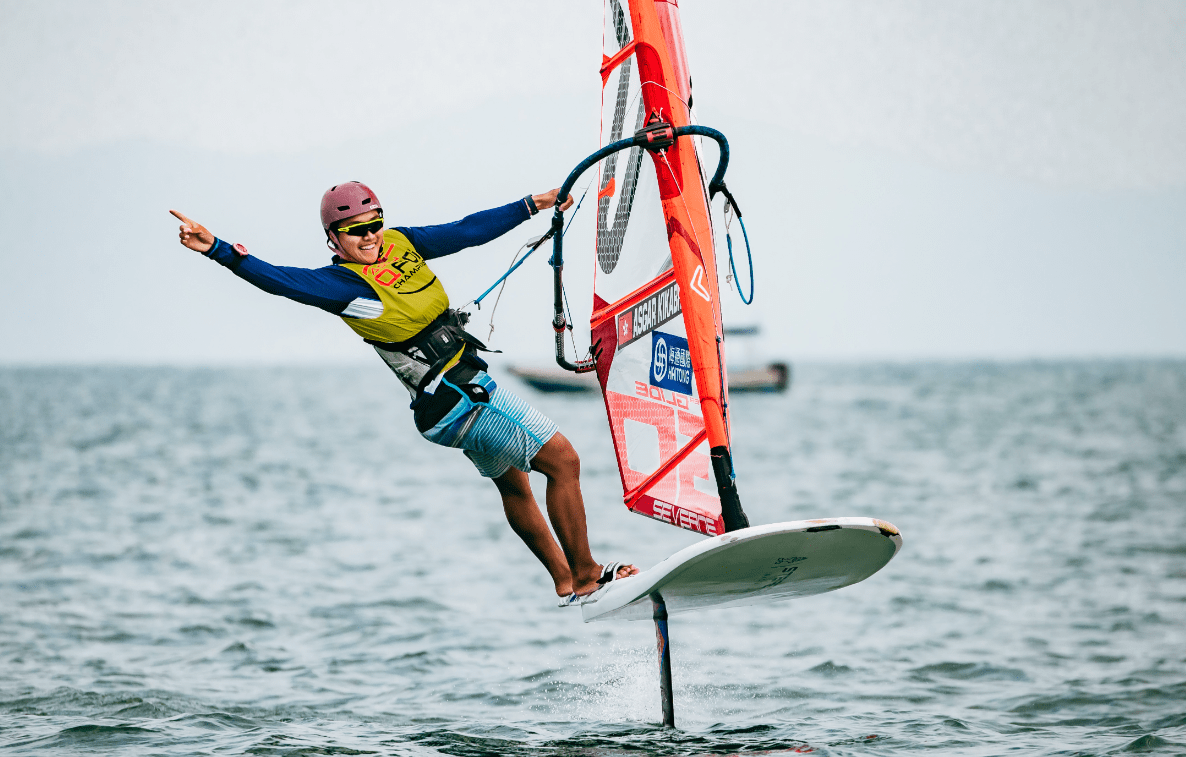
[(698, 284), (671, 363), (648, 315)]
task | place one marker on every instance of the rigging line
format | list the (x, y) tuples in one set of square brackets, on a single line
[(676, 95), (638, 94), (535, 244), (568, 313), (748, 254), (493, 310), (660, 86)]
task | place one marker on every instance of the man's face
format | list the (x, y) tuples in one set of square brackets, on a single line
[(360, 249)]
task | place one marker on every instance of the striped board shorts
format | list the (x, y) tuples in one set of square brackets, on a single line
[(496, 436)]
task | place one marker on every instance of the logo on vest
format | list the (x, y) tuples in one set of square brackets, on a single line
[(395, 273)]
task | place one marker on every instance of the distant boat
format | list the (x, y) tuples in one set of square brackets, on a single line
[(747, 371), (555, 379), (774, 377), (771, 377)]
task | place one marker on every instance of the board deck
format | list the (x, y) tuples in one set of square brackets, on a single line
[(759, 564)]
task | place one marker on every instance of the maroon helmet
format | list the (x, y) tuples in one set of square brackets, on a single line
[(347, 200)]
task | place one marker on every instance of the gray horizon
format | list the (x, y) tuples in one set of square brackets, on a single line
[(959, 182)]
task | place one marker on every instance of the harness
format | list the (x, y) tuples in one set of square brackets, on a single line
[(449, 354), (437, 344)]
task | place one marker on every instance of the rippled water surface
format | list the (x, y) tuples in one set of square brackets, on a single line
[(272, 562)]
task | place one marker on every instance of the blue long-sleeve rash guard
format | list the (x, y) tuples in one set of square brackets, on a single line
[(333, 287)]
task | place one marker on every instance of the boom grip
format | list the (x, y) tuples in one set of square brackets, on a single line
[(715, 185), (641, 139)]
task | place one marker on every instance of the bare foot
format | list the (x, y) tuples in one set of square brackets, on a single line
[(588, 587)]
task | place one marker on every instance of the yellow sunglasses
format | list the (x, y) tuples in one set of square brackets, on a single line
[(362, 228)]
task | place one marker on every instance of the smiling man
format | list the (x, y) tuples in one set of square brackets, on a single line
[(380, 285)]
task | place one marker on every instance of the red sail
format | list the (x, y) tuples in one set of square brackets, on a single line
[(656, 301)]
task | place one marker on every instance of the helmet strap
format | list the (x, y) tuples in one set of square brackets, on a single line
[(331, 241)]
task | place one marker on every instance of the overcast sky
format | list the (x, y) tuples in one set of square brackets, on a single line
[(920, 179)]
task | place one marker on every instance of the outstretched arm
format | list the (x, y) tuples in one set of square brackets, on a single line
[(331, 288), (478, 228)]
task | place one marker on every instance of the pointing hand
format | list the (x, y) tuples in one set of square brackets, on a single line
[(193, 234)]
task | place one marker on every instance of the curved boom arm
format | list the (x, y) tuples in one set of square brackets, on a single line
[(717, 184)]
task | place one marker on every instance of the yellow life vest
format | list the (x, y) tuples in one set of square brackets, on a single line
[(411, 295)]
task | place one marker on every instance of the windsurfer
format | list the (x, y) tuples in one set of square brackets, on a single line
[(380, 285)]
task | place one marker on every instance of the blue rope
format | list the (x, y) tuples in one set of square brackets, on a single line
[(523, 259), (510, 270), (733, 268)]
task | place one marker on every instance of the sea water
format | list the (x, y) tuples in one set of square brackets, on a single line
[(271, 561)]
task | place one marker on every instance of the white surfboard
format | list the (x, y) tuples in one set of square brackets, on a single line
[(760, 564)]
